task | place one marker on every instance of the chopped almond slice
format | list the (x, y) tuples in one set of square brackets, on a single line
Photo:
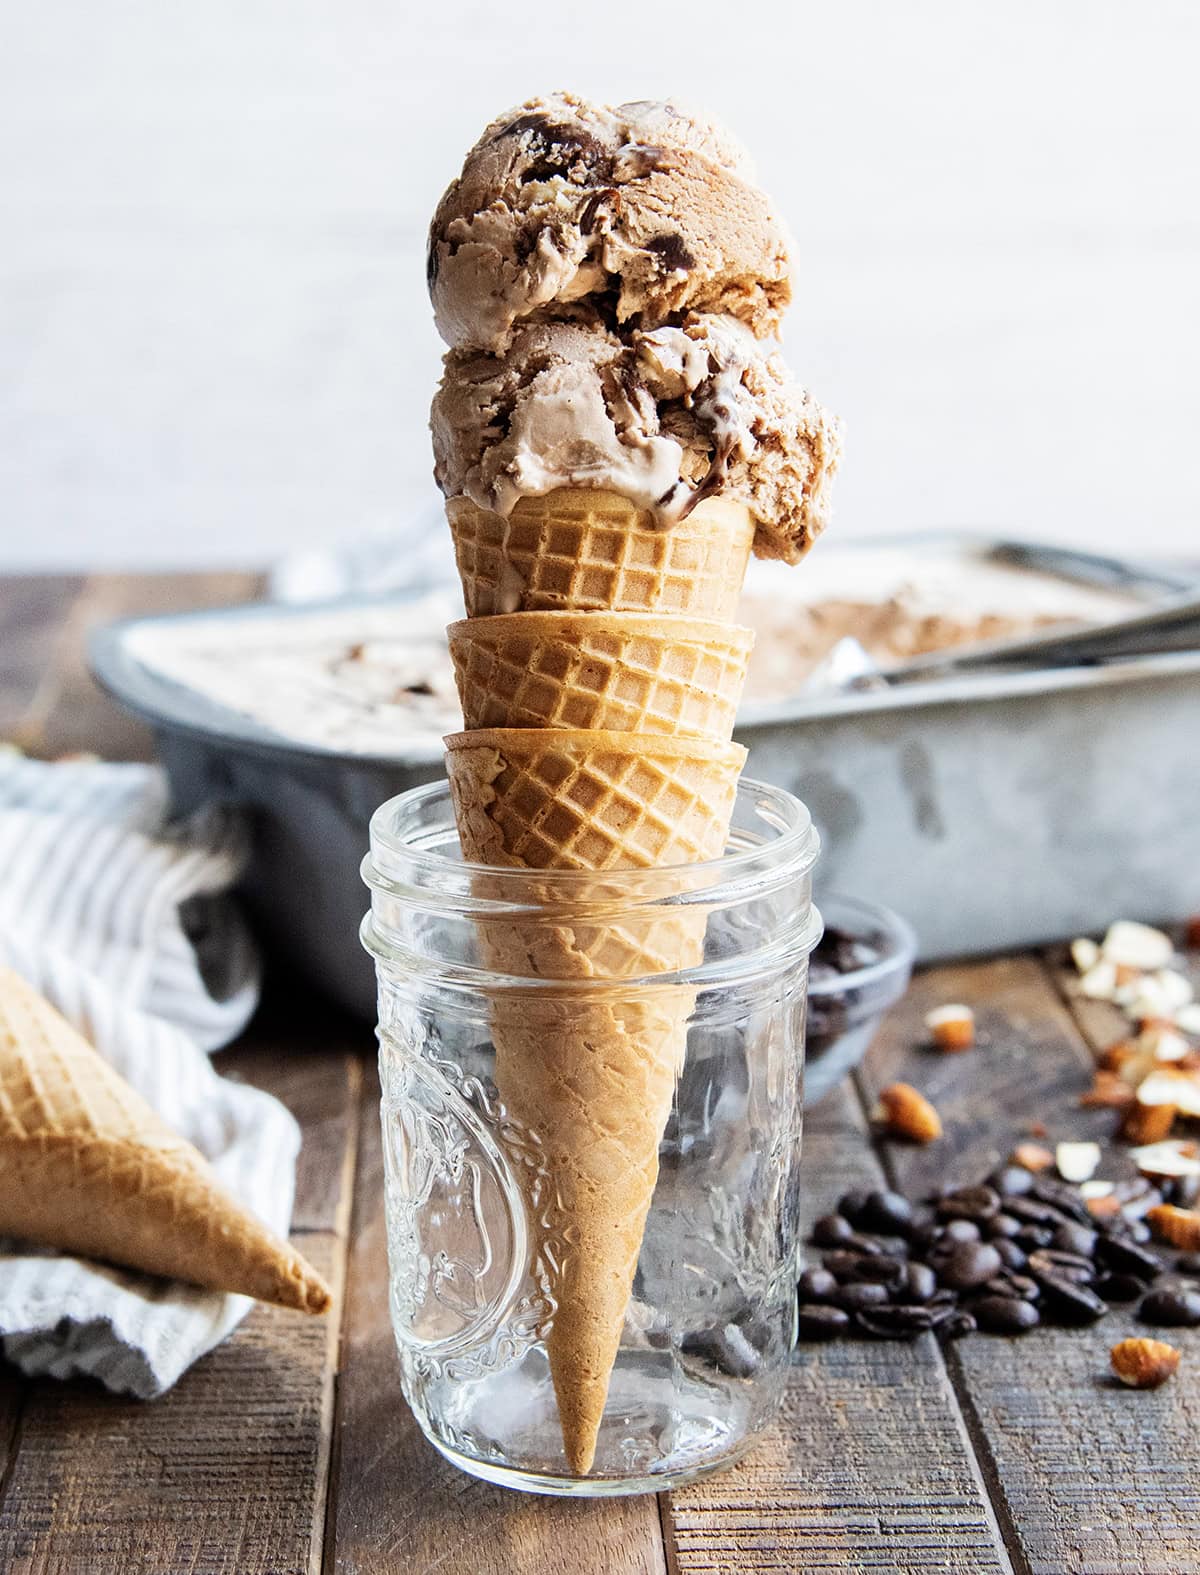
[(1077, 1161), (1168, 1159), (1168, 1086), (1187, 1018), (1032, 1156), (1137, 945), (1085, 954), (1099, 983), (951, 1027), (1180, 1227), (1146, 1124)]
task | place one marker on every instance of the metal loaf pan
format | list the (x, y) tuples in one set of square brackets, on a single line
[(993, 809)]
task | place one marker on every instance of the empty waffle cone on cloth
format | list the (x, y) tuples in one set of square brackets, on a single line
[(590, 550), (628, 672), (87, 1166), (592, 1072)]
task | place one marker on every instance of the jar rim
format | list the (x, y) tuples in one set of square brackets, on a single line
[(398, 864)]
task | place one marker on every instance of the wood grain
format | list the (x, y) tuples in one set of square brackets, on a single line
[(397, 1507), (68, 712), (869, 1467), (1088, 1477)]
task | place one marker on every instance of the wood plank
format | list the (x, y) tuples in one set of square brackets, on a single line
[(68, 712), (228, 1473), (398, 1508), (33, 608), (869, 1467), (1087, 1476)]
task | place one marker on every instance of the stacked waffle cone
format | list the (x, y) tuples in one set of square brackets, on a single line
[(598, 738), (614, 433)]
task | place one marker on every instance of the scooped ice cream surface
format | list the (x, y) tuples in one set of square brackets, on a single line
[(665, 417), (643, 210)]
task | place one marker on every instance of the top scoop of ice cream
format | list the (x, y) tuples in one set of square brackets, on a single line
[(642, 209), (665, 417)]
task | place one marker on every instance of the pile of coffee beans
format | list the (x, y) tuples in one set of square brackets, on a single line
[(1004, 1255)]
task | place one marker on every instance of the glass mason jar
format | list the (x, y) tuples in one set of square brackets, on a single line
[(506, 1093)]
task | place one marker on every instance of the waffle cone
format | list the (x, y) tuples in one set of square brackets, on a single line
[(87, 1166), (628, 672), (591, 1072), (590, 550)]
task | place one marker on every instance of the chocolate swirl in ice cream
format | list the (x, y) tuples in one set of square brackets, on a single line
[(642, 210), (665, 417)]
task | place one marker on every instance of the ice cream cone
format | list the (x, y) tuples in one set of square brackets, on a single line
[(590, 550), (628, 672), (87, 1166), (591, 1073)]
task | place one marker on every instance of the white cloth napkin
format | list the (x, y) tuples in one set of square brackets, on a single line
[(123, 922)]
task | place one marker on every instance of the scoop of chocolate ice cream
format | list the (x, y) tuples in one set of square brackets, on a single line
[(642, 210), (665, 417)]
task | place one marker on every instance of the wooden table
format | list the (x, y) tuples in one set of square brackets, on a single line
[(290, 1448)]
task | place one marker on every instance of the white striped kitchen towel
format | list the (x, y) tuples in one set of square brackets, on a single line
[(124, 923)]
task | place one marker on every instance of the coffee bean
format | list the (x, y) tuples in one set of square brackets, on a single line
[(920, 1282), (821, 1323), (867, 1294), (959, 1322), (971, 1263), (1127, 1257), (867, 1245), (726, 1347), (1032, 1212), (831, 1230), (1032, 1237), (1173, 1308), (1075, 1238), (816, 1285), (956, 1231), (1069, 1303), (1011, 1256), (1059, 1195), (851, 1204), (970, 1203), (892, 1246), (1011, 1181), (887, 1211), (842, 1265), (1063, 1265), (889, 1271), (902, 1322), (1002, 1226), (1018, 1285), (1005, 1315), (1188, 1263), (1120, 1287)]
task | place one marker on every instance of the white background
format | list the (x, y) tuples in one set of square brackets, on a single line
[(215, 343)]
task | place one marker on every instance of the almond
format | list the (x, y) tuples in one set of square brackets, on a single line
[(1181, 1227), (908, 1114), (1106, 1207), (1032, 1156), (1142, 1363), (1147, 1123), (951, 1027)]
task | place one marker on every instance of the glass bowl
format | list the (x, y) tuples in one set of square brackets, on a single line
[(861, 966)]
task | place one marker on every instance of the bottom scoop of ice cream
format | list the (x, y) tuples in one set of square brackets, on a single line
[(665, 417)]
